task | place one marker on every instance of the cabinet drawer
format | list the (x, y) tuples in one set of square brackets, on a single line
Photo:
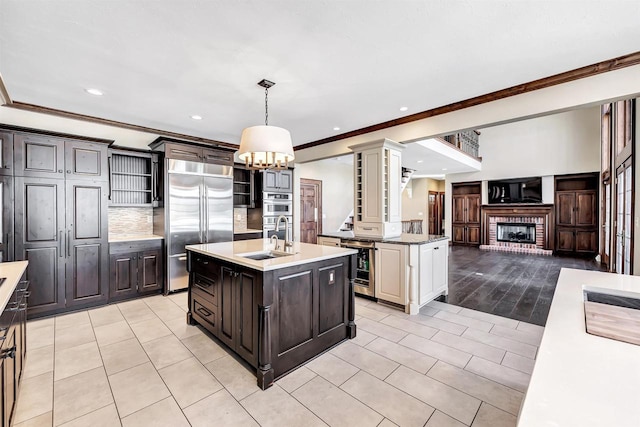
[(205, 314), (205, 288), (368, 229), (205, 266)]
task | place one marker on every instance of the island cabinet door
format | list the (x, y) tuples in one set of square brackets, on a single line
[(226, 307), (247, 284)]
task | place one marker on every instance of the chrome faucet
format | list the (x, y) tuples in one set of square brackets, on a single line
[(287, 238)]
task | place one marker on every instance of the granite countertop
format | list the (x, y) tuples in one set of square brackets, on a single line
[(247, 231), (12, 272), (301, 253), (132, 237), (581, 379), (403, 239)]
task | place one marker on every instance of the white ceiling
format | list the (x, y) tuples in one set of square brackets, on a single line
[(346, 64)]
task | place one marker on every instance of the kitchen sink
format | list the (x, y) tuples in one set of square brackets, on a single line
[(612, 314), (260, 256)]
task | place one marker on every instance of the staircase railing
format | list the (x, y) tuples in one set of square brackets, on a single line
[(467, 141)]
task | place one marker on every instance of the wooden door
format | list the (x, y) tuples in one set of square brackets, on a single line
[(586, 208), (6, 153), (86, 161), (459, 214), (459, 235), (565, 239), (435, 212), (310, 210), (624, 215), (226, 307), (473, 234), (6, 221), (586, 241), (247, 283), (87, 267), (123, 281), (473, 208), (40, 239), (150, 271), (565, 209)]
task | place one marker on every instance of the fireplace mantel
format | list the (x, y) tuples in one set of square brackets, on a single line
[(545, 211)]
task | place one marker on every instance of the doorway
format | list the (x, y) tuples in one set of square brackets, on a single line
[(436, 211), (310, 210)]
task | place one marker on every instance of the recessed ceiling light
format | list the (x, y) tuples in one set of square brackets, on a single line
[(404, 108), (444, 169), (196, 117), (336, 128), (95, 92), (420, 161)]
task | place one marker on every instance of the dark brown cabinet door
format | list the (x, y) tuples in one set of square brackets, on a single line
[(87, 161), (39, 156), (150, 271), (473, 208), (565, 209), (6, 153), (565, 240), (458, 233), (183, 152), (40, 239), (6, 221), (586, 209), (226, 307), (123, 282), (247, 283), (473, 235), (218, 157), (586, 241), (458, 212), (87, 269)]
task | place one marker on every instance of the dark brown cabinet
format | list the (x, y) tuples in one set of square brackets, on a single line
[(277, 181), (6, 153), (244, 191), (465, 222), (135, 269), (6, 221), (61, 229), (134, 179), (51, 157), (224, 297), (13, 351), (195, 153), (576, 212)]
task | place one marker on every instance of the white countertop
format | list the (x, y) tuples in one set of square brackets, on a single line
[(13, 272), (302, 253), (581, 379), (132, 237)]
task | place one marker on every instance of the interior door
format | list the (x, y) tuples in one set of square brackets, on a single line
[(310, 210), (624, 215), (434, 214), (87, 280), (218, 216)]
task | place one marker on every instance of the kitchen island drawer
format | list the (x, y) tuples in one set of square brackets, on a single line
[(204, 313), (205, 288)]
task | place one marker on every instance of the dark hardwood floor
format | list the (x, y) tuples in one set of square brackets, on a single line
[(512, 285)]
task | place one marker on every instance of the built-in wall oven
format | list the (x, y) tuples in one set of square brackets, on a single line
[(275, 204), (364, 283)]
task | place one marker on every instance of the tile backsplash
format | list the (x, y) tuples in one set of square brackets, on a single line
[(239, 219), (130, 221)]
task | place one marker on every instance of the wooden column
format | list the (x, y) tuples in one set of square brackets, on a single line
[(265, 371)]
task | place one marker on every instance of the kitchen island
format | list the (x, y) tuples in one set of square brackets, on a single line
[(275, 313), (581, 379)]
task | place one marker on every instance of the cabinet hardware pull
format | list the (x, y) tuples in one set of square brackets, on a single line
[(182, 258), (367, 228), (69, 171), (69, 243), (204, 311), (435, 249), (60, 171), (60, 243), (110, 174)]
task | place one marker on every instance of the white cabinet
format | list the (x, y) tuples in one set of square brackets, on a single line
[(411, 274), (432, 271), (328, 241), (390, 272), (377, 180)]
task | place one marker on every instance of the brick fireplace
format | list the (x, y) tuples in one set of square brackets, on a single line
[(525, 228)]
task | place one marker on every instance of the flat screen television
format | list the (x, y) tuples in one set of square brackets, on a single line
[(519, 190)]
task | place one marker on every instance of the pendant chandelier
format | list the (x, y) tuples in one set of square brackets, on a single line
[(266, 147)]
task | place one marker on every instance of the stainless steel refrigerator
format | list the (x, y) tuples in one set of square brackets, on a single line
[(198, 209)]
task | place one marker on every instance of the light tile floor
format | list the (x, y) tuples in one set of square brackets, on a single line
[(138, 363)]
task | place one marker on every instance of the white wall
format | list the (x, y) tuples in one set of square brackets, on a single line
[(558, 144), (337, 192)]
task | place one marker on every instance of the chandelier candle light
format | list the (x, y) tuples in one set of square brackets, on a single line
[(266, 147)]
